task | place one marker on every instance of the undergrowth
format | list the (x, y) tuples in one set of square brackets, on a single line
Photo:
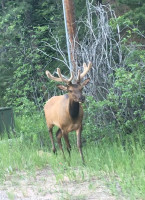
[(118, 160)]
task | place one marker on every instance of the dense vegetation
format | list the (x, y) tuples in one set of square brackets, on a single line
[(114, 120)]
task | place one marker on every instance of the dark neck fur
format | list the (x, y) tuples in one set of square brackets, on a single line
[(74, 109)]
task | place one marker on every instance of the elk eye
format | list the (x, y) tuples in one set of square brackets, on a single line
[(70, 91)]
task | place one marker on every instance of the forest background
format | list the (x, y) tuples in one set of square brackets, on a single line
[(30, 32), (31, 39)]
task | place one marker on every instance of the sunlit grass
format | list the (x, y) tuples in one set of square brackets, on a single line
[(16, 155), (119, 163)]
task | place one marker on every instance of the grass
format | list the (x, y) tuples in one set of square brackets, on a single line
[(120, 164), (16, 155)]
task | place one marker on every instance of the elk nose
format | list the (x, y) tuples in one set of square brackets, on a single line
[(82, 99)]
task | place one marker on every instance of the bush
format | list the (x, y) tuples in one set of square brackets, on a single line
[(124, 106)]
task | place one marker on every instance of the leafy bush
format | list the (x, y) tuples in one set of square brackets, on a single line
[(32, 129), (125, 103)]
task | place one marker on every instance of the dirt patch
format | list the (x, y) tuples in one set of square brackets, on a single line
[(44, 186)]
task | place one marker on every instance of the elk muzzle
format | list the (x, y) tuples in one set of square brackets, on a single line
[(81, 99)]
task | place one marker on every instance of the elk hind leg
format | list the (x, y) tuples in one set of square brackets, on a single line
[(59, 136), (67, 143), (52, 140), (79, 143)]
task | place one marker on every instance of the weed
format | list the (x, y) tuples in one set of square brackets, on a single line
[(11, 196), (119, 162)]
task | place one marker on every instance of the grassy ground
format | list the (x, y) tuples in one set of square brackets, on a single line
[(121, 166)]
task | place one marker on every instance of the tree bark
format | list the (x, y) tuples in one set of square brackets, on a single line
[(71, 30)]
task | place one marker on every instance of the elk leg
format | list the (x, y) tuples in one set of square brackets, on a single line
[(79, 143), (67, 143), (52, 140), (59, 136)]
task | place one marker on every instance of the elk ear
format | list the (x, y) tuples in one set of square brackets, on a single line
[(85, 82), (62, 87)]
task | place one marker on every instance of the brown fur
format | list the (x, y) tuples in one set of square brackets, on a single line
[(66, 113), (58, 108)]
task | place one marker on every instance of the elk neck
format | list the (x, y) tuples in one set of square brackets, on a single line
[(74, 108)]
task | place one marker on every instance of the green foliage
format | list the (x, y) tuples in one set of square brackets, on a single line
[(128, 103), (132, 2), (137, 17), (125, 100), (89, 126), (32, 129), (120, 160), (25, 26), (17, 155), (134, 15), (124, 106)]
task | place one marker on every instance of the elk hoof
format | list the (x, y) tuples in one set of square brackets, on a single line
[(54, 151)]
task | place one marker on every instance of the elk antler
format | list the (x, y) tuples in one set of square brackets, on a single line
[(49, 75), (63, 79), (78, 77), (85, 71), (60, 78)]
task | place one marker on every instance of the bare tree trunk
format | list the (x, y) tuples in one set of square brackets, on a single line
[(71, 32)]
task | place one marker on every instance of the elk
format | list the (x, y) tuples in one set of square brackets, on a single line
[(65, 111)]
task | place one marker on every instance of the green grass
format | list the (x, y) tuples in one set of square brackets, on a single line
[(120, 163), (122, 166), (16, 155)]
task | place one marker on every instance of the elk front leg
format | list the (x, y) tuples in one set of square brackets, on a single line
[(52, 140), (79, 143), (67, 143)]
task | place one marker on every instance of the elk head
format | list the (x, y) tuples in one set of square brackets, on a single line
[(74, 90)]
